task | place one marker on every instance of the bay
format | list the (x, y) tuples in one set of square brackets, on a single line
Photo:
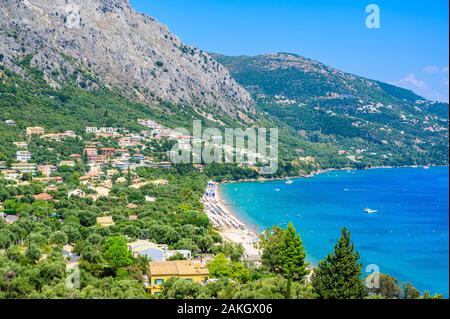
[(407, 236)]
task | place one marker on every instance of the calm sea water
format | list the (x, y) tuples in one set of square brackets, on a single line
[(407, 238)]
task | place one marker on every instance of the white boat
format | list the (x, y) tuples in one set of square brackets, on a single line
[(289, 182), (370, 211), (426, 167)]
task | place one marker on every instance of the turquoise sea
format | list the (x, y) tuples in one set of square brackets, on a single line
[(407, 237)]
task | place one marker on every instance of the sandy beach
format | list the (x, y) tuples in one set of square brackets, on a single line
[(230, 228)]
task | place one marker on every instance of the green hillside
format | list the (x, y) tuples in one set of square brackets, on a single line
[(369, 122)]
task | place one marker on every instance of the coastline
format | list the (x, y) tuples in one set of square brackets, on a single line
[(230, 228), (245, 234), (322, 171), (421, 170)]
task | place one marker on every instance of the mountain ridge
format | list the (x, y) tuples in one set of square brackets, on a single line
[(122, 48), (367, 120)]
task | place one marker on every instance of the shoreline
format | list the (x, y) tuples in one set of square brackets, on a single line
[(229, 226), (322, 171)]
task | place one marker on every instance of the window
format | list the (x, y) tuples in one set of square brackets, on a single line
[(159, 281)]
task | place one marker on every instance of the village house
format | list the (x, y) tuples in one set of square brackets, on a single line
[(47, 170), (56, 179), (105, 221), (67, 251), (9, 219), (149, 123), (51, 188), (160, 272), (138, 158), (10, 174), (43, 197), (155, 252), (107, 130), (122, 165), (37, 130), (93, 175), (133, 218), (165, 165), (75, 156), (24, 167), (107, 151), (67, 163), (91, 130), (23, 145), (76, 193), (55, 137), (23, 156), (111, 172)]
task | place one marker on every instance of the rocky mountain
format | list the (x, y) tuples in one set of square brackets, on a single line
[(98, 62), (115, 46)]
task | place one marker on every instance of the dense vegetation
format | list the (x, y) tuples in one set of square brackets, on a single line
[(32, 260)]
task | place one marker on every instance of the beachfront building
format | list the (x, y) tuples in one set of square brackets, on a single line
[(160, 272)]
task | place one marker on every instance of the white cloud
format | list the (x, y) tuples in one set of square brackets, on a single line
[(420, 87), (411, 81), (431, 69)]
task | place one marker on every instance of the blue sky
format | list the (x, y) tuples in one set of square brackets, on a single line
[(410, 49)]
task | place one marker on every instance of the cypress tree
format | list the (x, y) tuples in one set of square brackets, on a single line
[(338, 276), (293, 258)]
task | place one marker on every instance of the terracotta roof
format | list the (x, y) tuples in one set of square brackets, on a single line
[(177, 268), (43, 196)]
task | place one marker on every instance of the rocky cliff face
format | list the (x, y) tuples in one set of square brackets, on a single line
[(120, 48)]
